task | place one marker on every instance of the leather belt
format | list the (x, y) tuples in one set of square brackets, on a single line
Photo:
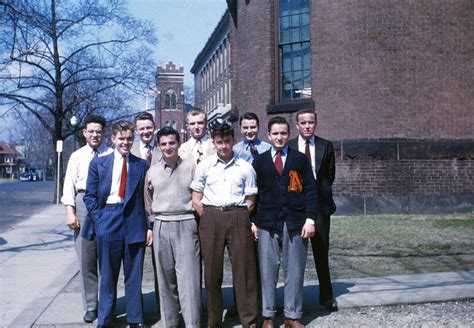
[(226, 208)]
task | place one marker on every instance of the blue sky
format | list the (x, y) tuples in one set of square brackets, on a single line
[(183, 27)]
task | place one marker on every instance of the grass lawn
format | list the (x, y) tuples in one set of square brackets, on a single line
[(379, 245)]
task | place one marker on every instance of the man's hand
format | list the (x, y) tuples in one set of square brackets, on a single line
[(308, 230), (254, 231), (72, 221), (149, 237)]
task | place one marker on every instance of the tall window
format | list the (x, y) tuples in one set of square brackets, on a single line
[(170, 99), (295, 50)]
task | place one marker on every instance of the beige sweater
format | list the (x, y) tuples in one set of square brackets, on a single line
[(167, 191)]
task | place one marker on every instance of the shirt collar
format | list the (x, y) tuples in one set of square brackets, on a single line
[(302, 141), (284, 151), (215, 160), (143, 145), (256, 142), (203, 139), (119, 156), (100, 149)]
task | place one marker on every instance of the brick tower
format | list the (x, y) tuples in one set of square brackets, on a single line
[(170, 97)]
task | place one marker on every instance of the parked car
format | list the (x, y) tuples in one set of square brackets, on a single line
[(29, 176)]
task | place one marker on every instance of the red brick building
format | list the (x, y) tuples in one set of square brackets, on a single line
[(169, 102), (392, 83)]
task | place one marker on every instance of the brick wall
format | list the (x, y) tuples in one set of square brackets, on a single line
[(403, 178)]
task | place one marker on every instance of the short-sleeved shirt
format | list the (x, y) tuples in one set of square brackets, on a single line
[(224, 184)]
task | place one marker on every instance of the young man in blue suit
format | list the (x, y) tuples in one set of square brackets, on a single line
[(115, 202), (286, 218)]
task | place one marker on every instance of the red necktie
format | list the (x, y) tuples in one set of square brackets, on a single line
[(123, 178), (279, 162)]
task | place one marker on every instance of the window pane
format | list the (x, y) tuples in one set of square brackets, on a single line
[(295, 28), (297, 84), (285, 29), (295, 6), (306, 84), (304, 27), (297, 57), (306, 51), (283, 7), (286, 58), (304, 6)]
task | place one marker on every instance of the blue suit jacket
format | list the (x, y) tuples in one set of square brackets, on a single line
[(99, 181)]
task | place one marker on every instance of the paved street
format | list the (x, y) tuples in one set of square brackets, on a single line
[(22, 199)]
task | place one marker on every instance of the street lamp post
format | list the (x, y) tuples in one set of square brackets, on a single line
[(73, 122)]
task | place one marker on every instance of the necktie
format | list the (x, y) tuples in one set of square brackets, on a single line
[(307, 151), (199, 151), (123, 178), (149, 154), (253, 149), (95, 153), (279, 162)]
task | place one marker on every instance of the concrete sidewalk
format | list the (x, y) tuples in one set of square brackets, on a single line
[(39, 285)]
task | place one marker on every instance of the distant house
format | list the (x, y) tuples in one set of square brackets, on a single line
[(11, 162)]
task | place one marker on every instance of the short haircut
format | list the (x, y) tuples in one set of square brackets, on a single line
[(249, 116), (195, 112), (94, 119), (122, 126), (278, 120), (306, 111), (222, 130), (144, 116), (167, 131)]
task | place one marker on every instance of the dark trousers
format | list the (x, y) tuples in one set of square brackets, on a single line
[(320, 247), (112, 251), (217, 230)]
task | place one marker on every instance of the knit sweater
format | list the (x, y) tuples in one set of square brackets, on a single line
[(167, 191)]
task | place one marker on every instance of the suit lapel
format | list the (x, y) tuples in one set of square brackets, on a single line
[(319, 152), (107, 169), (132, 177)]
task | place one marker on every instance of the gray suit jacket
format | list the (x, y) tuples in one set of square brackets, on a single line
[(156, 155)]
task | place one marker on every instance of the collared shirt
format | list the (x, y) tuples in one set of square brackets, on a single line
[(312, 149), (113, 197), (284, 153), (144, 148), (224, 184), (77, 170), (242, 149), (196, 143)]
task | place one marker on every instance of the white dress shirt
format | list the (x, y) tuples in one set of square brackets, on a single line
[(114, 197), (195, 146), (224, 184), (312, 149), (144, 148), (77, 170)]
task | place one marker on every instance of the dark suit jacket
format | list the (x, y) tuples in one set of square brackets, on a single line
[(276, 204), (99, 181), (325, 172)]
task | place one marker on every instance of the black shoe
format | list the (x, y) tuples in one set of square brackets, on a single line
[(90, 316), (331, 306), (136, 325)]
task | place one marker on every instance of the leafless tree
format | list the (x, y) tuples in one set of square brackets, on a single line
[(60, 58)]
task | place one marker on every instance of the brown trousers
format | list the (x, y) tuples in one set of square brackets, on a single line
[(217, 230)]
